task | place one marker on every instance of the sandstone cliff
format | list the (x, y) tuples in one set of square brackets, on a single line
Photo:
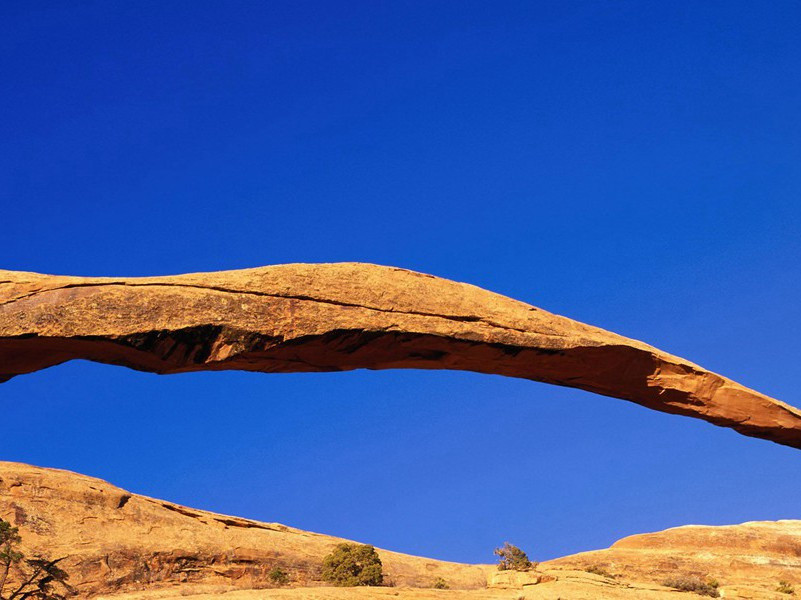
[(335, 317)]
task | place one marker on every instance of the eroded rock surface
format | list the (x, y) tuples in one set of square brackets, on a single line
[(752, 556), (116, 541), (120, 544), (334, 317)]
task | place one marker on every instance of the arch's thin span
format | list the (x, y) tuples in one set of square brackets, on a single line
[(336, 317)]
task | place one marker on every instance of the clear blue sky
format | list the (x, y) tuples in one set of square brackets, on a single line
[(634, 165)]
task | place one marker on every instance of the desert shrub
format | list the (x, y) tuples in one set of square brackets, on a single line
[(441, 584), (598, 570), (512, 558), (694, 584), (353, 564), (278, 576), (785, 587), (38, 577)]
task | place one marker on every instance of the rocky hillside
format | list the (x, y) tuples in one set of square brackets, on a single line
[(136, 548), (117, 541), (747, 560)]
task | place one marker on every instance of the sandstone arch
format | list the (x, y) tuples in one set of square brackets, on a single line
[(332, 317)]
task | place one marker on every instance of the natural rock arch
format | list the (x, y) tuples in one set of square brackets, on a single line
[(336, 317)]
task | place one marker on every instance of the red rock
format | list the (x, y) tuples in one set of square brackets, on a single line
[(335, 317)]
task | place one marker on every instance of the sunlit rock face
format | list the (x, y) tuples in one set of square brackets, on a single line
[(116, 541), (119, 543), (749, 559), (335, 317)]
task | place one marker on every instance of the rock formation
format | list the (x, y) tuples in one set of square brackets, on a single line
[(116, 541), (335, 317), (121, 545), (748, 560)]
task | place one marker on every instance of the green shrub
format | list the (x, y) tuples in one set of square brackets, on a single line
[(278, 576), (694, 584), (512, 558), (353, 564), (441, 584), (785, 587)]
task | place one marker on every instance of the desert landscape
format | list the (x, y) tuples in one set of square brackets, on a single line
[(115, 543), (414, 300), (128, 547)]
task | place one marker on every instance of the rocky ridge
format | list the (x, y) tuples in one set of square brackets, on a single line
[(130, 547), (115, 541), (747, 559)]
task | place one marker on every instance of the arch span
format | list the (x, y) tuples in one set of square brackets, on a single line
[(336, 317)]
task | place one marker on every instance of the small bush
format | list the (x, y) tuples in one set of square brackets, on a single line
[(441, 584), (278, 576), (598, 570), (694, 584), (352, 565), (512, 558), (785, 587)]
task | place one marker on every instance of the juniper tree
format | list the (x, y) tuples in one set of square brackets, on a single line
[(353, 564), (28, 578), (512, 558)]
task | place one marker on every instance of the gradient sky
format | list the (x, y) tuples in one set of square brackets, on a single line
[(633, 165)]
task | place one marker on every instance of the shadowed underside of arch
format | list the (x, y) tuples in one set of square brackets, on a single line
[(337, 317)]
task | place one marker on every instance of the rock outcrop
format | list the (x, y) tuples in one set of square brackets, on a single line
[(748, 560), (335, 317), (118, 544), (115, 541)]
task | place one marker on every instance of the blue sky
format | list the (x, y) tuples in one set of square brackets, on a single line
[(633, 165)]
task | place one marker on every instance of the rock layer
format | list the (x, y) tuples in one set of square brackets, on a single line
[(119, 543), (114, 540), (754, 555), (336, 317)]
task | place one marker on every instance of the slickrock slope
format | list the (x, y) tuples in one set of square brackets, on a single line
[(334, 317), (130, 547), (117, 541), (746, 559), (578, 589)]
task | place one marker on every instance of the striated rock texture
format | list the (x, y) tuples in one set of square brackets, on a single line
[(118, 544), (336, 317), (753, 556), (115, 541)]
